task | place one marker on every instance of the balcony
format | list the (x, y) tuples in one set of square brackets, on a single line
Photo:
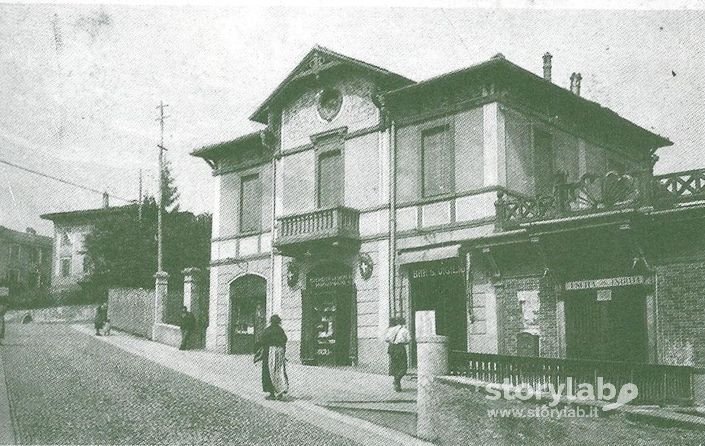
[(325, 227), (599, 194)]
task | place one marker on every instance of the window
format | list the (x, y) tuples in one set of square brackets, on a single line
[(65, 240), (86, 264), (14, 253), (250, 204), (437, 159), (330, 179), (13, 276), (65, 267), (544, 165), (34, 255)]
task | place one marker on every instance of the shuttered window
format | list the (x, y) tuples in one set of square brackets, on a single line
[(330, 179), (437, 162), (251, 204)]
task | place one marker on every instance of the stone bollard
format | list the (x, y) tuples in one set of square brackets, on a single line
[(161, 284), (432, 361)]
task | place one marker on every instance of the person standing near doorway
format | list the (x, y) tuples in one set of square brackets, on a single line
[(187, 324), (273, 344), (397, 337)]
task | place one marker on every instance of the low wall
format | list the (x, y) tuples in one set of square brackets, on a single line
[(131, 310), (68, 313), (461, 413), (167, 334)]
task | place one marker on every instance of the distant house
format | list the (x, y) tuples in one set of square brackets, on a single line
[(25, 259), (71, 263)]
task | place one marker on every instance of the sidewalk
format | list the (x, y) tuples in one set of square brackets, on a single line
[(7, 432), (310, 387)]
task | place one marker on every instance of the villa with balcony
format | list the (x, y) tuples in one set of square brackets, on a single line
[(527, 217)]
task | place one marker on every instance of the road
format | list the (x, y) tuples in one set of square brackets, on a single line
[(69, 388)]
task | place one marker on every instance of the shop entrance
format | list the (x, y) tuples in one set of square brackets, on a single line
[(328, 318), (248, 300), (607, 324), (440, 286)]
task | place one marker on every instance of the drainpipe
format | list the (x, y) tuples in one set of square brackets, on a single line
[(392, 219)]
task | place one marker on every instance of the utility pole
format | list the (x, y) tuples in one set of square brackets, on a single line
[(139, 202), (160, 204)]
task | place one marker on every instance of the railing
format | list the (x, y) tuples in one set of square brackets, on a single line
[(655, 383), (594, 193), (338, 222)]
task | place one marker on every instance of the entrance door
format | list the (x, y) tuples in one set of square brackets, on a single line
[(248, 298), (327, 319), (444, 294), (611, 330)]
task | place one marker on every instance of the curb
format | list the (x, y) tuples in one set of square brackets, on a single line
[(355, 429), (7, 432)]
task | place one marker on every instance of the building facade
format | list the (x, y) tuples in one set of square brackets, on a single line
[(368, 195), (25, 260), (71, 262)]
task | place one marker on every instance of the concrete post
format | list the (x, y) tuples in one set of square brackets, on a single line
[(192, 301), (432, 361), (161, 283)]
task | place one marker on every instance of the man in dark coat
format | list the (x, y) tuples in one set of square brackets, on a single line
[(101, 315), (188, 324)]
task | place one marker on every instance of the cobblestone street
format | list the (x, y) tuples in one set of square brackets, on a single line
[(68, 388)]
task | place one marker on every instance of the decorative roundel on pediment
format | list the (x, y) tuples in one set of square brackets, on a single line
[(329, 102)]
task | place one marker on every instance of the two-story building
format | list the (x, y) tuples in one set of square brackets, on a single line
[(25, 260), (368, 195), (71, 261)]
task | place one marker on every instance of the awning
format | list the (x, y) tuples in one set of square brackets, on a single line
[(429, 254)]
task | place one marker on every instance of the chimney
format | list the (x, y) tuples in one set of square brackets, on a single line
[(30, 231), (106, 200), (547, 66), (575, 79)]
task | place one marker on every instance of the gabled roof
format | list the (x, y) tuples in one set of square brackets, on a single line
[(499, 68), (317, 60)]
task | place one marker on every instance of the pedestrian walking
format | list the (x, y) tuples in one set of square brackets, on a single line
[(188, 324), (101, 315), (3, 310), (397, 337), (273, 346)]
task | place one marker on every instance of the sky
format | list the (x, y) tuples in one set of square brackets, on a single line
[(79, 84)]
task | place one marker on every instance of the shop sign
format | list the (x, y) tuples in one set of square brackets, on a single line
[(438, 270), (330, 281), (605, 283)]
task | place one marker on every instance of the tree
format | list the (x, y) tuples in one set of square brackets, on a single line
[(170, 194)]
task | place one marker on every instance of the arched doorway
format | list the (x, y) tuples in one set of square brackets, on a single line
[(248, 300)]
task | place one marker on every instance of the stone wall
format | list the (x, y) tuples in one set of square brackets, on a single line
[(680, 291), (131, 310)]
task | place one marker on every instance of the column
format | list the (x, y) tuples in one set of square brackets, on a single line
[(161, 283)]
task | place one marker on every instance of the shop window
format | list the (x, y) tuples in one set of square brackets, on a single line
[(330, 179), (437, 162), (65, 267), (251, 204), (544, 162)]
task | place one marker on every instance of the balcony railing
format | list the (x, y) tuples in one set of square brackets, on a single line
[(655, 383), (332, 224), (601, 193)]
